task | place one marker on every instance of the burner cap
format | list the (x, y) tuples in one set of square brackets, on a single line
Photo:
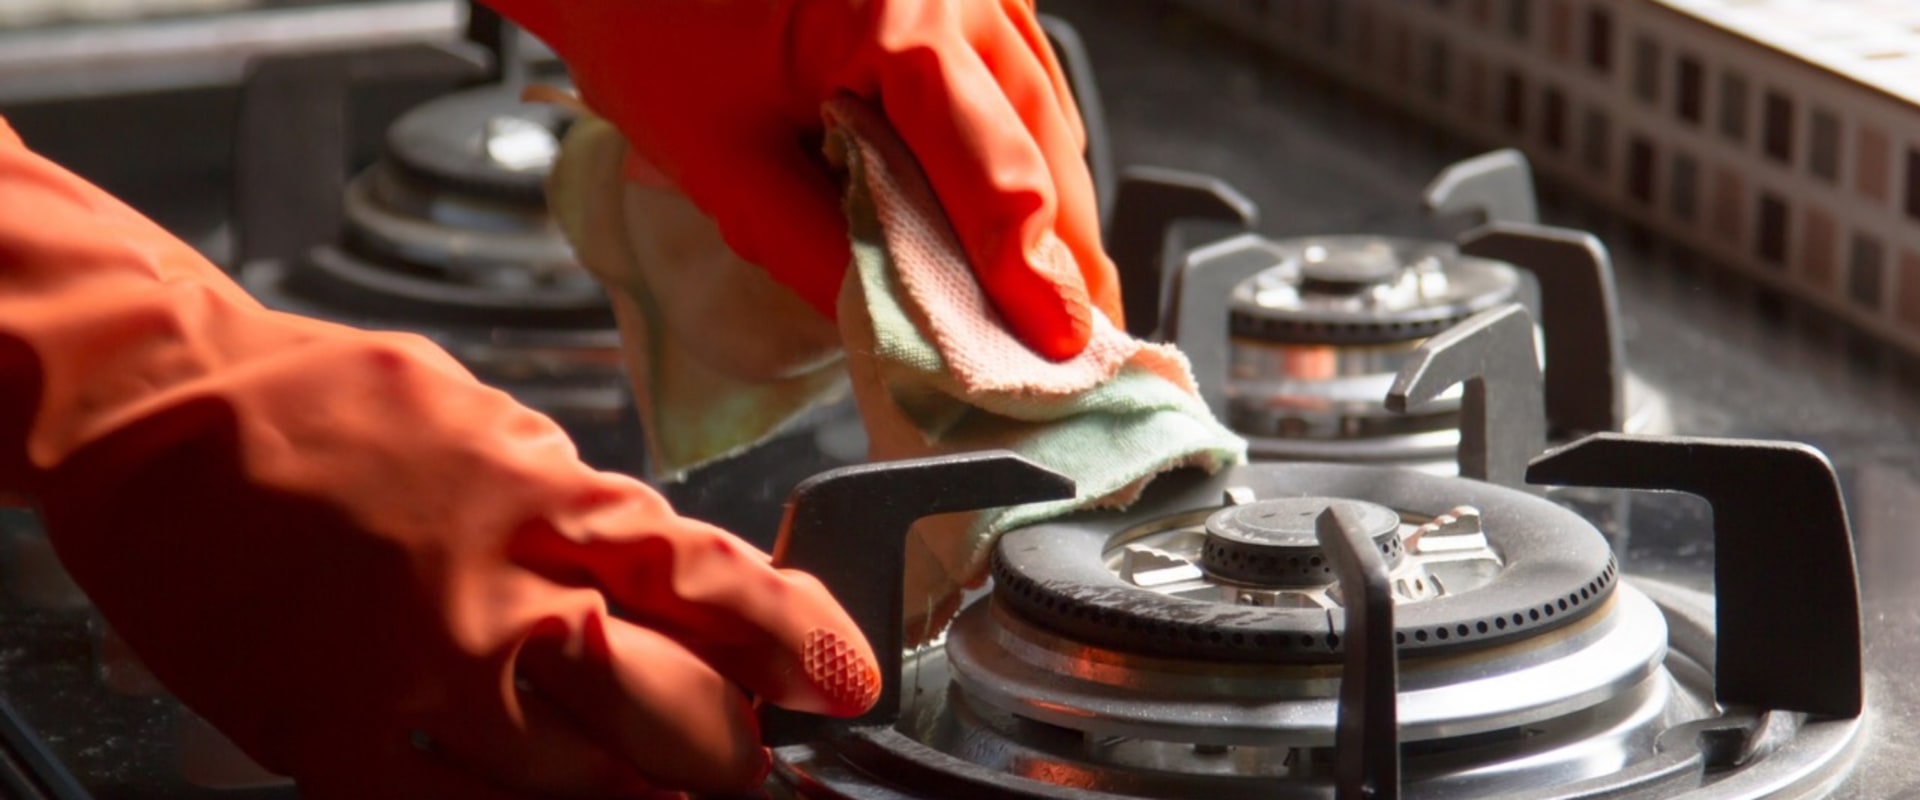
[(1365, 290), (1273, 543), (483, 142)]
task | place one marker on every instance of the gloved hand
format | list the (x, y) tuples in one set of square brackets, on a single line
[(373, 573), (725, 97)]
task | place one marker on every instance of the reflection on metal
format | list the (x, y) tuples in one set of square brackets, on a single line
[(521, 145), (1310, 339)]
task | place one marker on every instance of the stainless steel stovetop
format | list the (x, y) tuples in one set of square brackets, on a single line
[(1725, 359)]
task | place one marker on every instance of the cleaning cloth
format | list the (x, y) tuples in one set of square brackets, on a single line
[(935, 371)]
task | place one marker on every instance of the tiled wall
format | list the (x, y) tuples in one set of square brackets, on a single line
[(1675, 114)]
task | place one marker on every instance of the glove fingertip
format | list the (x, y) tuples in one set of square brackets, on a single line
[(842, 672)]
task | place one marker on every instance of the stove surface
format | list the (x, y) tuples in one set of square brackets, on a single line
[(1731, 359)]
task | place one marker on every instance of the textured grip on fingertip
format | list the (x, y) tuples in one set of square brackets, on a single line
[(841, 671)]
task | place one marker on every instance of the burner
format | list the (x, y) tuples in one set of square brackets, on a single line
[(1319, 337), (1296, 342), (1193, 645), (1122, 624)]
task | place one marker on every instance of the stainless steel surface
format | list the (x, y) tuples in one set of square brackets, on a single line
[(1307, 377), (1508, 664), (1309, 381)]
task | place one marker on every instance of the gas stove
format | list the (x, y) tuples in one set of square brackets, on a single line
[(1399, 596)]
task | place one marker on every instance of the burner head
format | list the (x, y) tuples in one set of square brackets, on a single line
[(1272, 542), (1340, 290)]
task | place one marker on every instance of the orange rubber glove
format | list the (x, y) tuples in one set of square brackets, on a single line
[(373, 573), (725, 97)]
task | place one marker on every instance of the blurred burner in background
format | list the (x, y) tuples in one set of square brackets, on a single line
[(1297, 343), (446, 234)]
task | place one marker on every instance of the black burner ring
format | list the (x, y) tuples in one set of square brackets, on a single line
[(1558, 569)]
